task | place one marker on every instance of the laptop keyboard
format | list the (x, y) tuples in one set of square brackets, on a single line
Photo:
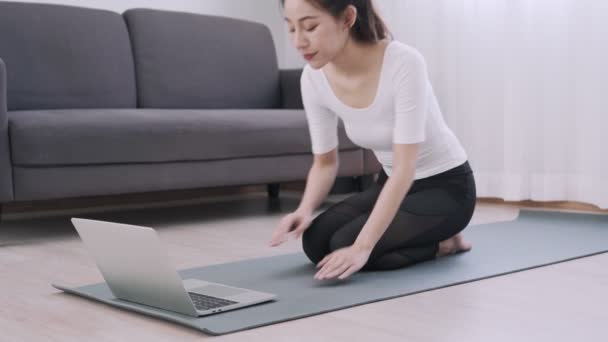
[(202, 302)]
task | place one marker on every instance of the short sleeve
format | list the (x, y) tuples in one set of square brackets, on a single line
[(322, 122), (410, 84)]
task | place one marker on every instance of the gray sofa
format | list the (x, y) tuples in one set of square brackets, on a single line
[(93, 102)]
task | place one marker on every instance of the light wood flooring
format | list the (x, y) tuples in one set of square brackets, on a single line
[(562, 302)]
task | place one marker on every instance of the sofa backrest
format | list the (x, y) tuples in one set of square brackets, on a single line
[(65, 57), (186, 60)]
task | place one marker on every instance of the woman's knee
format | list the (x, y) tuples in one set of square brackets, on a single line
[(327, 233), (343, 237), (313, 242), (317, 239)]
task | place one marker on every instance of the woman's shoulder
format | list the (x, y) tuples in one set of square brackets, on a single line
[(404, 61), (310, 78), (310, 73), (401, 54)]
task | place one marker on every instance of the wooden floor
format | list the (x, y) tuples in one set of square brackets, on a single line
[(562, 302)]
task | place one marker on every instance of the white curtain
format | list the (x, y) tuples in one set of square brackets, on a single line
[(524, 85)]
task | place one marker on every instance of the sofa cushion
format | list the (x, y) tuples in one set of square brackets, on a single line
[(71, 137), (65, 57), (194, 61)]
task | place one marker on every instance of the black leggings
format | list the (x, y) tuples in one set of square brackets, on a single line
[(434, 209)]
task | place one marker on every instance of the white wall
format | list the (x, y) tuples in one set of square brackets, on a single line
[(262, 11)]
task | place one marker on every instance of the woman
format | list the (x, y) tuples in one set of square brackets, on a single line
[(425, 195)]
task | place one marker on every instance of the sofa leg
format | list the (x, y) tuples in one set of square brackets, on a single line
[(273, 190)]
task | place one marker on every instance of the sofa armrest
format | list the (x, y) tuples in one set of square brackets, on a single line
[(291, 98), (6, 174)]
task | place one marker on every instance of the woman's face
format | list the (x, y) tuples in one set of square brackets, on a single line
[(317, 35)]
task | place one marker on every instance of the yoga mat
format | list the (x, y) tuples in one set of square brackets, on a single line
[(534, 239)]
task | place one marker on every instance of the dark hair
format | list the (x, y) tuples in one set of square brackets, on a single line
[(368, 27)]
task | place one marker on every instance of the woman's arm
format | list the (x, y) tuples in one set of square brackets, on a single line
[(320, 180), (391, 196), (323, 130), (411, 90), (346, 261)]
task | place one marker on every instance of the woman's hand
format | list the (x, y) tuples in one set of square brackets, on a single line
[(342, 262), (295, 223)]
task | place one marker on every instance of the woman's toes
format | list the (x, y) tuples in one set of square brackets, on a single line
[(453, 245), (445, 247), (462, 245)]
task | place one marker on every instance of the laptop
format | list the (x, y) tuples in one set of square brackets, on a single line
[(136, 267)]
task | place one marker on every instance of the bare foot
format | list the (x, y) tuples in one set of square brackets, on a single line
[(455, 244)]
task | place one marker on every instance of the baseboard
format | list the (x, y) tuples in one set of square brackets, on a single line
[(560, 205), (343, 185)]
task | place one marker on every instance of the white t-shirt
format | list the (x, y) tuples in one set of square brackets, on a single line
[(404, 111)]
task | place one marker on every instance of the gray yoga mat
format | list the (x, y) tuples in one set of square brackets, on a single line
[(535, 239)]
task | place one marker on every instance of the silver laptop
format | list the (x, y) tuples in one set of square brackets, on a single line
[(136, 268)]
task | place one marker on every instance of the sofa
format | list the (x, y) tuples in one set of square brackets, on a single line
[(97, 103)]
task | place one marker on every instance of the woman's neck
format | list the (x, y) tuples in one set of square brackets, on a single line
[(356, 58)]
